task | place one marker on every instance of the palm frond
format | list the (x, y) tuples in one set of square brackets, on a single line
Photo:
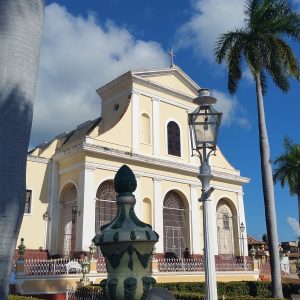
[(234, 67), (278, 74), (250, 11), (287, 171), (225, 42)]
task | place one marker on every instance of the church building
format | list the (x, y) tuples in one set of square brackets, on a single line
[(143, 124)]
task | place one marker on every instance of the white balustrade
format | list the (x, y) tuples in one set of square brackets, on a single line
[(101, 266), (34, 267), (49, 267), (197, 264)]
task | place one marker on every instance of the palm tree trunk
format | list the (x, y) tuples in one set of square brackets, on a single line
[(268, 190), (21, 25), (298, 196)]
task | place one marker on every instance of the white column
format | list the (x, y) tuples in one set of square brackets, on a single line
[(213, 214), (53, 196), (137, 194), (195, 221), (189, 141), (135, 121), (158, 222), (86, 204), (241, 212), (155, 127)]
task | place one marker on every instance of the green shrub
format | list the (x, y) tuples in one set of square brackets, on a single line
[(14, 297), (234, 289), (197, 296)]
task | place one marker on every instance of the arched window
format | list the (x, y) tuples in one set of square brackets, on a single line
[(173, 132), (145, 132), (147, 211), (106, 208), (68, 220), (175, 219), (225, 230)]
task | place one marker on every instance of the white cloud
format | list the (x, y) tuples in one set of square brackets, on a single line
[(295, 226), (210, 18), (230, 108), (78, 56)]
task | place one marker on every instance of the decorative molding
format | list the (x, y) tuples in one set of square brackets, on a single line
[(118, 96), (78, 166), (166, 100), (161, 88), (175, 70), (42, 160), (135, 122), (217, 175), (155, 127)]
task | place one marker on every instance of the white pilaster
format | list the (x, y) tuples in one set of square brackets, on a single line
[(135, 121), (195, 221), (86, 203), (158, 222), (53, 207), (137, 194), (213, 216), (189, 141), (155, 127), (241, 212)]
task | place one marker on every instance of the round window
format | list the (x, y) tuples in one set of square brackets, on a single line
[(116, 107)]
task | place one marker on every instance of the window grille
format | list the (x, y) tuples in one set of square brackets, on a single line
[(175, 220), (173, 139), (225, 229), (106, 208), (28, 201), (226, 225), (69, 221)]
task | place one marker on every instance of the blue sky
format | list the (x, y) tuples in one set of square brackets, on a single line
[(87, 43)]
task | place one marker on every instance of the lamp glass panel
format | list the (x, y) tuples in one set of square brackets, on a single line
[(205, 128)]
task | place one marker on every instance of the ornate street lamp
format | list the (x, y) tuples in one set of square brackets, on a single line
[(242, 230), (204, 125)]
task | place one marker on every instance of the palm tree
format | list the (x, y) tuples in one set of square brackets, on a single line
[(261, 43), (287, 169), (21, 25)]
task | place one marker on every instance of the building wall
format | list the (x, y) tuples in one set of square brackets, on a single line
[(120, 140)]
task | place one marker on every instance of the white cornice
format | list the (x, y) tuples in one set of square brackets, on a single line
[(162, 88), (113, 83), (163, 162), (174, 70), (157, 177), (162, 99), (42, 160)]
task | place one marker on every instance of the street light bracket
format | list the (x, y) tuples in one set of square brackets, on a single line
[(206, 194)]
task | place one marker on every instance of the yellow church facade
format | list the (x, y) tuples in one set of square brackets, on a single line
[(143, 124)]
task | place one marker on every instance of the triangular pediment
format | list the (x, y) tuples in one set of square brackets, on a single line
[(171, 78)]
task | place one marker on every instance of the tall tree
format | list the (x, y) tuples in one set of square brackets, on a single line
[(262, 44), (21, 25), (287, 169)]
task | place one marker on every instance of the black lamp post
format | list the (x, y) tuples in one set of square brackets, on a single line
[(204, 123)]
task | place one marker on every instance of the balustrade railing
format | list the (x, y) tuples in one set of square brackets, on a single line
[(51, 266), (180, 264), (101, 266), (197, 264), (69, 266)]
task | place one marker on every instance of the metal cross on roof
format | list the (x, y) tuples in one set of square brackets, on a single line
[(172, 55)]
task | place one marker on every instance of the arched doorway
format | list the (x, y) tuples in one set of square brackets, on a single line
[(226, 228), (175, 220), (106, 208), (68, 220)]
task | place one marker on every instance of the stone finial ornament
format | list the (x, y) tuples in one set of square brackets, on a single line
[(21, 249), (127, 245)]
